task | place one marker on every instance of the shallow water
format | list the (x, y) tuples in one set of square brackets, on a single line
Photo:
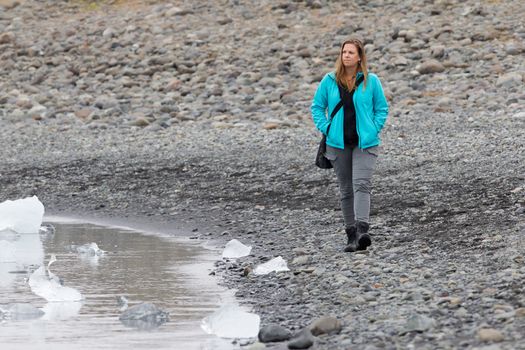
[(170, 272)]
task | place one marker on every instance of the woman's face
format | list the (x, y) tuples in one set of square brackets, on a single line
[(350, 56)]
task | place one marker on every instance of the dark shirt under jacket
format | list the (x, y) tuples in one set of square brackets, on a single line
[(350, 130)]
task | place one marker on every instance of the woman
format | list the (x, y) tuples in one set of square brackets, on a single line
[(353, 134)]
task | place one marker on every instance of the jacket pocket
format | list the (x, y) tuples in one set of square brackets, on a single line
[(373, 150)]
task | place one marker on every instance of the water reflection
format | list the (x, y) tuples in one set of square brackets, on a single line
[(170, 272)]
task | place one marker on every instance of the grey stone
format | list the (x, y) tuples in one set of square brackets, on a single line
[(302, 340), (300, 260), (418, 323), (513, 79), (274, 333)]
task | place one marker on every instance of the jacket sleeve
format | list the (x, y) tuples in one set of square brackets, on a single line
[(380, 105), (320, 105)]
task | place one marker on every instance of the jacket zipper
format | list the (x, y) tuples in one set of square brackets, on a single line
[(356, 122)]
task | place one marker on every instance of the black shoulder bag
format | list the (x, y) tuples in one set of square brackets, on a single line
[(320, 160)]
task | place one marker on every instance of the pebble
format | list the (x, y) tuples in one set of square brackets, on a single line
[(6, 38), (430, 66), (325, 325), (418, 323), (509, 80), (274, 333), (303, 340), (490, 335)]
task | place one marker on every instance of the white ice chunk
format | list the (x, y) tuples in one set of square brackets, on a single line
[(235, 249), (47, 285), (23, 249), (17, 252), (47, 229), (61, 310), (91, 249), (22, 215), (7, 278), (276, 264), (7, 251), (231, 321)]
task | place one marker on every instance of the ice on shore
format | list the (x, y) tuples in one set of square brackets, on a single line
[(232, 322), (47, 285), (21, 215), (235, 249), (276, 264)]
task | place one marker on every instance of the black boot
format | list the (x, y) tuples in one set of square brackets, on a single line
[(363, 238), (351, 244)]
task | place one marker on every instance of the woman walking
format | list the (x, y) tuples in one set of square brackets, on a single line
[(352, 135)]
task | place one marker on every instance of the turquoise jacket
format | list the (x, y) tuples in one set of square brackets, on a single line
[(370, 106)]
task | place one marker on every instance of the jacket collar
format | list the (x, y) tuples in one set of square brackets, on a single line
[(332, 74)]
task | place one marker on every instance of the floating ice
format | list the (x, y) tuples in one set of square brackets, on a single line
[(122, 302), (9, 235), (7, 251), (235, 249), (276, 264), (232, 322), (91, 249), (22, 249), (46, 284), (61, 310), (19, 312), (144, 316), (22, 215), (17, 253), (47, 229)]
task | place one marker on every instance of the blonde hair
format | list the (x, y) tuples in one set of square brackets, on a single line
[(340, 68)]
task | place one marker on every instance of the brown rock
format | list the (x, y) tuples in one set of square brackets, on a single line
[(141, 121), (6, 38), (520, 312), (326, 325), (24, 102), (173, 85), (83, 113), (490, 335), (9, 4), (222, 125), (271, 126), (430, 67)]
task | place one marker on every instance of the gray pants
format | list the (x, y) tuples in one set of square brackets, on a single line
[(353, 168)]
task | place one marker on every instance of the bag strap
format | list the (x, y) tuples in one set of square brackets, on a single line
[(340, 104)]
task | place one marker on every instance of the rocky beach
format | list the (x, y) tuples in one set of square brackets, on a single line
[(195, 116)]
